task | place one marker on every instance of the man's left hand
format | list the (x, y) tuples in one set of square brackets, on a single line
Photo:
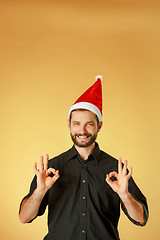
[(120, 185)]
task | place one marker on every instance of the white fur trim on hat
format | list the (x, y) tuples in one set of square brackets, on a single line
[(87, 106)]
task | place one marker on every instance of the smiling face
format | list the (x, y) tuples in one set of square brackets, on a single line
[(84, 128)]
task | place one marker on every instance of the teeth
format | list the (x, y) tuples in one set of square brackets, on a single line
[(83, 137)]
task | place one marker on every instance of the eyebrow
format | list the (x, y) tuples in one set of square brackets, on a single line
[(76, 121), (90, 122)]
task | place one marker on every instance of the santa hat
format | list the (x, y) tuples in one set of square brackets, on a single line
[(91, 99)]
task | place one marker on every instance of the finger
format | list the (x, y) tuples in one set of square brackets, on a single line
[(108, 178), (125, 167), (120, 165), (113, 174), (35, 168), (56, 175), (50, 170), (111, 183), (130, 173), (46, 162), (41, 164)]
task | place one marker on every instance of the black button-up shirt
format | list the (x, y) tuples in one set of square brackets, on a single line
[(81, 205)]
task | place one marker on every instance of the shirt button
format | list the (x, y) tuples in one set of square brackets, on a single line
[(84, 181), (83, 231), (83, 214), (83, 198)]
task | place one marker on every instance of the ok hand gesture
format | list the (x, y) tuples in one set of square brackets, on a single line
[(44, 181), (120, 185)]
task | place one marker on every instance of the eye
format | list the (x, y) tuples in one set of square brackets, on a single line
[(75, 123), (90, 124)]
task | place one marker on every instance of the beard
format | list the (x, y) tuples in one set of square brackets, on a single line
[(83, 145)]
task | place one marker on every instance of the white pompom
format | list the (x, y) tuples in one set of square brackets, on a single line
[(99, 76)]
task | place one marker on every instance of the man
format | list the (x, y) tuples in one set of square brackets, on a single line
[(84, 187)]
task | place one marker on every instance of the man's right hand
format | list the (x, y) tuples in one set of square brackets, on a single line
[(30, 205), (44, 181)]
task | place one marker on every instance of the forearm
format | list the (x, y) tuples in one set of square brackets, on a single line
[(133, 207), (30, 206)]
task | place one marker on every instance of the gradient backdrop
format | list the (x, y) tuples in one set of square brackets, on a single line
[(50, 52)]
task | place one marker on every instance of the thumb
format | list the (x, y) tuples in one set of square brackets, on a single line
[(56, 175)]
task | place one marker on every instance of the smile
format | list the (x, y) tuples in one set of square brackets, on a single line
[(83, 136)]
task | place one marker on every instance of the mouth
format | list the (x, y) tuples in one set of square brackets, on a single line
[(83, 137), (83, 140)]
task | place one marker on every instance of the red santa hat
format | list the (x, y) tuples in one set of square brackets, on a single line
[(91, 99)]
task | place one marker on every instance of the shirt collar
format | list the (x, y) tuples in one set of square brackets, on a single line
[(72, 153), (96, 153)]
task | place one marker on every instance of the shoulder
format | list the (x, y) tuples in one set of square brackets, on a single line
[(107, 159), (59, 161), (103, 156)]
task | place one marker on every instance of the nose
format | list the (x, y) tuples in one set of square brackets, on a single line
[(82, 129)]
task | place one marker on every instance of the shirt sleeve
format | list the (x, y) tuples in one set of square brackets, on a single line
[(44, 202), (137, 194)]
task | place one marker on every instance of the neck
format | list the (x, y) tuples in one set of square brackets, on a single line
[(85, 152)]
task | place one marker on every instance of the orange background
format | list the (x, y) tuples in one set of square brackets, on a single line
[(50, 52)]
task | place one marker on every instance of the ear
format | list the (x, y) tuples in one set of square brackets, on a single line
[(100, 125), (68, 123)]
